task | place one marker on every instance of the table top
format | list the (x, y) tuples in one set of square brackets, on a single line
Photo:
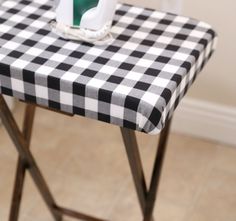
[(136, 82)]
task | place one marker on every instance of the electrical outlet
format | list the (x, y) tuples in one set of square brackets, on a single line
[(174, 6)]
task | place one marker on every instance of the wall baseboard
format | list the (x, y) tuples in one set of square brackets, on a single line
[(206, 120)]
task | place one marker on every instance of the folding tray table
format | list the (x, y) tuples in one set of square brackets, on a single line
[(135, 83)]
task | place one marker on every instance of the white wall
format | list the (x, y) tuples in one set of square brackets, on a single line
[(217, 82)]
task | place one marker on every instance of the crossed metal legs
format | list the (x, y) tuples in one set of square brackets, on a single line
[(147, 197), (27, 162)]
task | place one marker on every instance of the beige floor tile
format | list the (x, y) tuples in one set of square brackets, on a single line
[(188, 162), (126, 206), (166, 210), (217, 201), (7, 166), (92, 174), (226, 159)]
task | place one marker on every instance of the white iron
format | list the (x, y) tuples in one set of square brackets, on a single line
[(85, 20)]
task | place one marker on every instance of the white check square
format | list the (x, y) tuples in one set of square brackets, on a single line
[(91, 104), (96, 83), (44, 70), (70, 46), (17, 18), (34, 51), (197, 34), (9, 4), (170, 68), (38, 24), (119, 57), (155, 51), (83, 63), (189, 44), (181, 19), (108, 69), (180, 56), (126, 19), (21, 64), (58, 57), (130, 45), (117, 111), (41, 92), (149, 24), (164, 39), (160, 82), (144, 62), (66, 98), (158, 15), (70, 76), (135, 76), (25, 34), (150, 98), (4, 28), (95, 51), (173, 29), (11, 45), (135, 10), (117, 30), (17, 85), (140, 34), (47, 40), (29, 9), (122, 89), (49, 14)]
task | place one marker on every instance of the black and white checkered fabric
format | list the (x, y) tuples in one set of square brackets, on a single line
[(136, 82)]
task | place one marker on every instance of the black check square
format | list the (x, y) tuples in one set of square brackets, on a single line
[(29, 76), (152, 72), (77, 54), (34, 16), (53, 48), (163, 59), (39, 60), (20, 26), (15, 54), (115, 79), (126, 66), (142, 86), (89, 73), (29, 43), (137, 54), (64, 67), (7, 37), (101, 60)]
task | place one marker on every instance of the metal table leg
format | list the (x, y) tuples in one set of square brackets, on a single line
[(26, 162), (21, 168), (146, 196), (21, 141)]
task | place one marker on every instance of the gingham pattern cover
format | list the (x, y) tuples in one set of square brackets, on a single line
[(136, 82)]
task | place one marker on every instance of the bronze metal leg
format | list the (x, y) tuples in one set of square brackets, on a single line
[(26, 161), (21, 168), (26, 156), (135, 165), (146, 196), (156, 174)]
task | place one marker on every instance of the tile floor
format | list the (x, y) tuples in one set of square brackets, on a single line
[(85, 164)]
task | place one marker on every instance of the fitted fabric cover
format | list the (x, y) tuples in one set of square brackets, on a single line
[(136, 82)]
